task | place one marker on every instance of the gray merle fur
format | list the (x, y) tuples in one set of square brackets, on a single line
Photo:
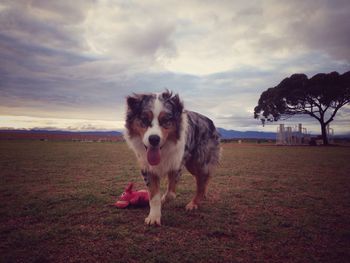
[(203, 140)]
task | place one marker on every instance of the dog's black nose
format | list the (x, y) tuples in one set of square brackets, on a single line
[(154, 140)]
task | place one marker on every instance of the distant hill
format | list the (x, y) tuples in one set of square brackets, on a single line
[(232, 134), (95, 133), (117, 136), (57, 135), (342, 136)]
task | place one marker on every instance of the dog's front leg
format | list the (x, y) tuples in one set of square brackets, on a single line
[(173, 179), (154, 200)]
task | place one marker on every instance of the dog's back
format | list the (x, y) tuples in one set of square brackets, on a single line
[(203, 141)]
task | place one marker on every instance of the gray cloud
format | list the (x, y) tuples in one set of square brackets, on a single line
[(316, 25), (79, 59), (64, 12), (30, 25), (149, 39)]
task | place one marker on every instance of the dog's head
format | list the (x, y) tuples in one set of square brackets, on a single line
[(156, 120)]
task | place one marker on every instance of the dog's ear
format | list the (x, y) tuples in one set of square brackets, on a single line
[(174, 100), (177, 104), (133, 101), (167, 94)]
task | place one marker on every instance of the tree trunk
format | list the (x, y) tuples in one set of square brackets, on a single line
[(324, 133)]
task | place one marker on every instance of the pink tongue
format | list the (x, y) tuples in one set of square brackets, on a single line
[(153, 155)]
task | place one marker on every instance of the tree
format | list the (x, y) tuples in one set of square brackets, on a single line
[(320, 97)]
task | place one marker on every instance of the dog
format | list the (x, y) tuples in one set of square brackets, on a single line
[(165, 138)]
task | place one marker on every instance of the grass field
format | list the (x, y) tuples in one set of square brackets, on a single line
[(266, 204)]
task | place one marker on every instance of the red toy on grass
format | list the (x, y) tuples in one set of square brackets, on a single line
[(130, 197)]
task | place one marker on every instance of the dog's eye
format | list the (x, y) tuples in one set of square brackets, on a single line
[(145, 122), (145, 119), (166, 123)]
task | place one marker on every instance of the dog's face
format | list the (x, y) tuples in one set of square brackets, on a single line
[(155, 119)]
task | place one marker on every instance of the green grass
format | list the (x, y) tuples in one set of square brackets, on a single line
[(266, 204)]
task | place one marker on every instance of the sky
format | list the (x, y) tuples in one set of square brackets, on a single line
[(70, 64)]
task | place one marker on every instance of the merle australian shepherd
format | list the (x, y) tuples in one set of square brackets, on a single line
[(166, 138)]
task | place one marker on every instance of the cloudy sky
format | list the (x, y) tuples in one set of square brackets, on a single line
[(70, 64)]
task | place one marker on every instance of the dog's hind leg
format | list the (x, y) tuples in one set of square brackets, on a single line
[(202, 180), (173, 179)]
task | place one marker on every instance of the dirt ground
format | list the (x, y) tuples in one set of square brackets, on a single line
[(265, 204)]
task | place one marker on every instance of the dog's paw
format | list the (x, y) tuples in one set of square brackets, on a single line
[(152, 220), (191, 206), (168, 196)]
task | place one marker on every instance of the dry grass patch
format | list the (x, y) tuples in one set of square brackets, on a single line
[(265, 203)]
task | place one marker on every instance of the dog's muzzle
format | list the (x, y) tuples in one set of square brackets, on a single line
[(153, 152)]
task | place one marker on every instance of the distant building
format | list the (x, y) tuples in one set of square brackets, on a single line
[(292, 135), (298, 135)]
